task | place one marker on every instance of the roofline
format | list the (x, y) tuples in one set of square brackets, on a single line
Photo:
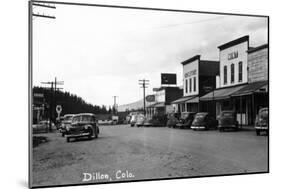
[(234, 42), (210, 61), (258, 48), (191, 59)]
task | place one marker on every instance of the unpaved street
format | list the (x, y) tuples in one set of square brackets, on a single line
[(124, 152)]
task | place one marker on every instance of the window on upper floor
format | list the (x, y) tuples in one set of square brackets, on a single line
[(194, 84), (240, 71), (186, 86), (225, 75), (232, 73), (190, 85)]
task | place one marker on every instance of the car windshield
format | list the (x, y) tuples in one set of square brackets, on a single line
[(87, 118), (264, 114), (200, 117), (67, 118), (76, 119)]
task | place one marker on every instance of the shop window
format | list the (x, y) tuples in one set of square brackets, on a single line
[(225, 75), (232, 73), (240, 69), (194, 84)]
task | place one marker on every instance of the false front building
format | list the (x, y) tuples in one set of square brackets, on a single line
[(163, 98), (199, 77), (242, 82)]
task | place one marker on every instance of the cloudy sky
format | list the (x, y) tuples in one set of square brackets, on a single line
[(101, 52)]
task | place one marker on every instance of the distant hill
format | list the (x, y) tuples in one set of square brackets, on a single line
[(133, 106)]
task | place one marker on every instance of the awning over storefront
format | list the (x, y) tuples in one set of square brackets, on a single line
[(220, 94), (183, 99), (159, 105), (193, 100), (257, 87), (156, 105)]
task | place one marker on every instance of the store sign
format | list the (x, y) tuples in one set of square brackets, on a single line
[(169, 79), (190, 73), (233, 55), (160, 96), (150, 98)]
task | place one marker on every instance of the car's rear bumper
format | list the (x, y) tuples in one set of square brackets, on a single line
[(77, 135), (261, 127), (198, 127), (227, 126)]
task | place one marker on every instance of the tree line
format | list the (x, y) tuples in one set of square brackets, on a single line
[(71, 103)]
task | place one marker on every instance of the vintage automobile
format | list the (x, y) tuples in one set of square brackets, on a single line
[(150, 122), (172, 119), (227, 120), (140, 120), (67, 118), (82, 125), (133, 120), (185, 120), (203, 120), (261, 123), (43, 126)]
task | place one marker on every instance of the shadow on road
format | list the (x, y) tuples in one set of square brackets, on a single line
[(37, 140)]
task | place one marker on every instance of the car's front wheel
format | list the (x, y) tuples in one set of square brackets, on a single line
[(67, 139)]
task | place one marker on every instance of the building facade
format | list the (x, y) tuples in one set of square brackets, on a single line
[(243, 80), (199, 77), (163, 98)]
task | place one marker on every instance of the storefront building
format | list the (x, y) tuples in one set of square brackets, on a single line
[(199, 77), (163, 98), (242, 81)]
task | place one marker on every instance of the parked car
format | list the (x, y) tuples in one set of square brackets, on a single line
[(82, 125), (140, 120), (67, 118), (185, 120), (261, 123), (227, 120), (203, 120), (150, 122), (43, 126), (133, 120), (172, 120)]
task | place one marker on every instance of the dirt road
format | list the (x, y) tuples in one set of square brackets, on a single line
[(124, 153)]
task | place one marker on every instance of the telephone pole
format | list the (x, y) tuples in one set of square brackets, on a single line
[(53, 88), (143, 84), (114, 105)]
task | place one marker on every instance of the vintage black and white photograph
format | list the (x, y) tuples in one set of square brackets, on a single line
[(123, 94)]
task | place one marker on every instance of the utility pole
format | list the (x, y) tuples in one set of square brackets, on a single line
[(143, 83), (114, 105), (53, 90)]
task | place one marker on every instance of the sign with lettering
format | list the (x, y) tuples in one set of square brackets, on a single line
[(190, 73), (160, 96), (169, 79), (232, 55)]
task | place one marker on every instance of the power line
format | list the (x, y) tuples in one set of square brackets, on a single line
[(143, 84), (114, 105), (53, 100)]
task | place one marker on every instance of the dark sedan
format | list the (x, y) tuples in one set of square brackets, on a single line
[(204, 121), (186, 120), (227, 120), (261, 123), (82, 125)]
